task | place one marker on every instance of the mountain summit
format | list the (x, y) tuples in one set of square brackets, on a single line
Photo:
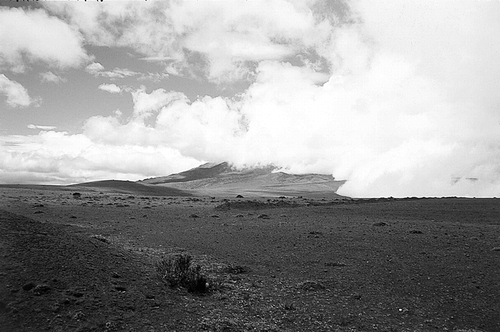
[(223, 179)]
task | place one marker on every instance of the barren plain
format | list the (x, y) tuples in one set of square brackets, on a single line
[(87, 262)]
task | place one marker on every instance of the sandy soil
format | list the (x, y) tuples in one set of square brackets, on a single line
[(294, 264)]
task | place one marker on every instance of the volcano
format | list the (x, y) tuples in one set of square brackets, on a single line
[(220, 179)]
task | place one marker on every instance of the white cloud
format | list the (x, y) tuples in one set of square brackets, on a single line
[(97, 70), (111, 88), (409, 104), (52, 78), (94, 68), (220, 40), (57, 44), (17, 95), (61, 158), (32, 126)]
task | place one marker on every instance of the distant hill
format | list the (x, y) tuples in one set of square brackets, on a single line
[(222, 179), (129, 187)]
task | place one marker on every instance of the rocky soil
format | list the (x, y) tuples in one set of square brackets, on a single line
[(87, 263)]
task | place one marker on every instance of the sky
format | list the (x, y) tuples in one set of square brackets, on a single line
[(399, 98)]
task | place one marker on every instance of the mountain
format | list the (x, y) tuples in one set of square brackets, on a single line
[(223, 179)]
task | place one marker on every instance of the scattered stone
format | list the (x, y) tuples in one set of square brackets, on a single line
[(263, 216), (335, 264), (311, 285), (214, 216), (38, 205), (194, 215), (356, 296), (37, 212), (415, 231), (41, 289), (239, 216), (121, 288), (116, 275), (29, 286), (379, 224), (100, 238), (77, 294)]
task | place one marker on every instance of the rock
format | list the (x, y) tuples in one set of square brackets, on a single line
[(29, 286), (41, 289), (239, 196), (311, 285)]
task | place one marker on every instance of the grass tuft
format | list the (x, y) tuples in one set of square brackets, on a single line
[(177, 271)]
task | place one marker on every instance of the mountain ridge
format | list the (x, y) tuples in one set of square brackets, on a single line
[(222, 178)]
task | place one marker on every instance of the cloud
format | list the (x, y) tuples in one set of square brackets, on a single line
[(398, 98), (32, 126), (52, 78), (60, 158), (97, 70), (111, 88), (219, 41), (17, 95), (36, 44)]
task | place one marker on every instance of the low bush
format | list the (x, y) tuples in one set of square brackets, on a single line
[(177, 271)]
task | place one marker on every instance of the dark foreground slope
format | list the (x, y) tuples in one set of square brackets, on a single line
[(55, 280)]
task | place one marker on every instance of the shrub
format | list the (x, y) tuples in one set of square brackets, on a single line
[(177, 271)]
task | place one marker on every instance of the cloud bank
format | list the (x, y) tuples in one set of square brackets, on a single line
[(399, 98)]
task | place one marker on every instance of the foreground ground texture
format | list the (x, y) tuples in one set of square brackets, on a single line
[(87, 263)]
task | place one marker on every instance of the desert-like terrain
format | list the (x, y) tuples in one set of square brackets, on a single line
[(87, 262)]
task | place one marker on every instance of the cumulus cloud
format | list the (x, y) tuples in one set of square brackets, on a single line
[(17, 95), (221, 41), (50, 77), (57, 44), (61, 158), (400, 99), (111, 88)]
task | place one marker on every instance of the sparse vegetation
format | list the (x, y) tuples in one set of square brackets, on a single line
[(177, 271)]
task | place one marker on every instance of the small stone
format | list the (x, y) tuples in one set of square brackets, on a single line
[(379, 224), (41, 289), (29, 286), (263, 216), (496, 249), (311, 285)]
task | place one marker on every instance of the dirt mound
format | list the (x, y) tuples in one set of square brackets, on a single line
[(128, 187)]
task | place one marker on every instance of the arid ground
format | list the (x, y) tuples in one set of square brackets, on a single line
[(87, 263)]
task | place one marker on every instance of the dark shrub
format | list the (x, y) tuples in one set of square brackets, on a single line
[(177, 271)]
